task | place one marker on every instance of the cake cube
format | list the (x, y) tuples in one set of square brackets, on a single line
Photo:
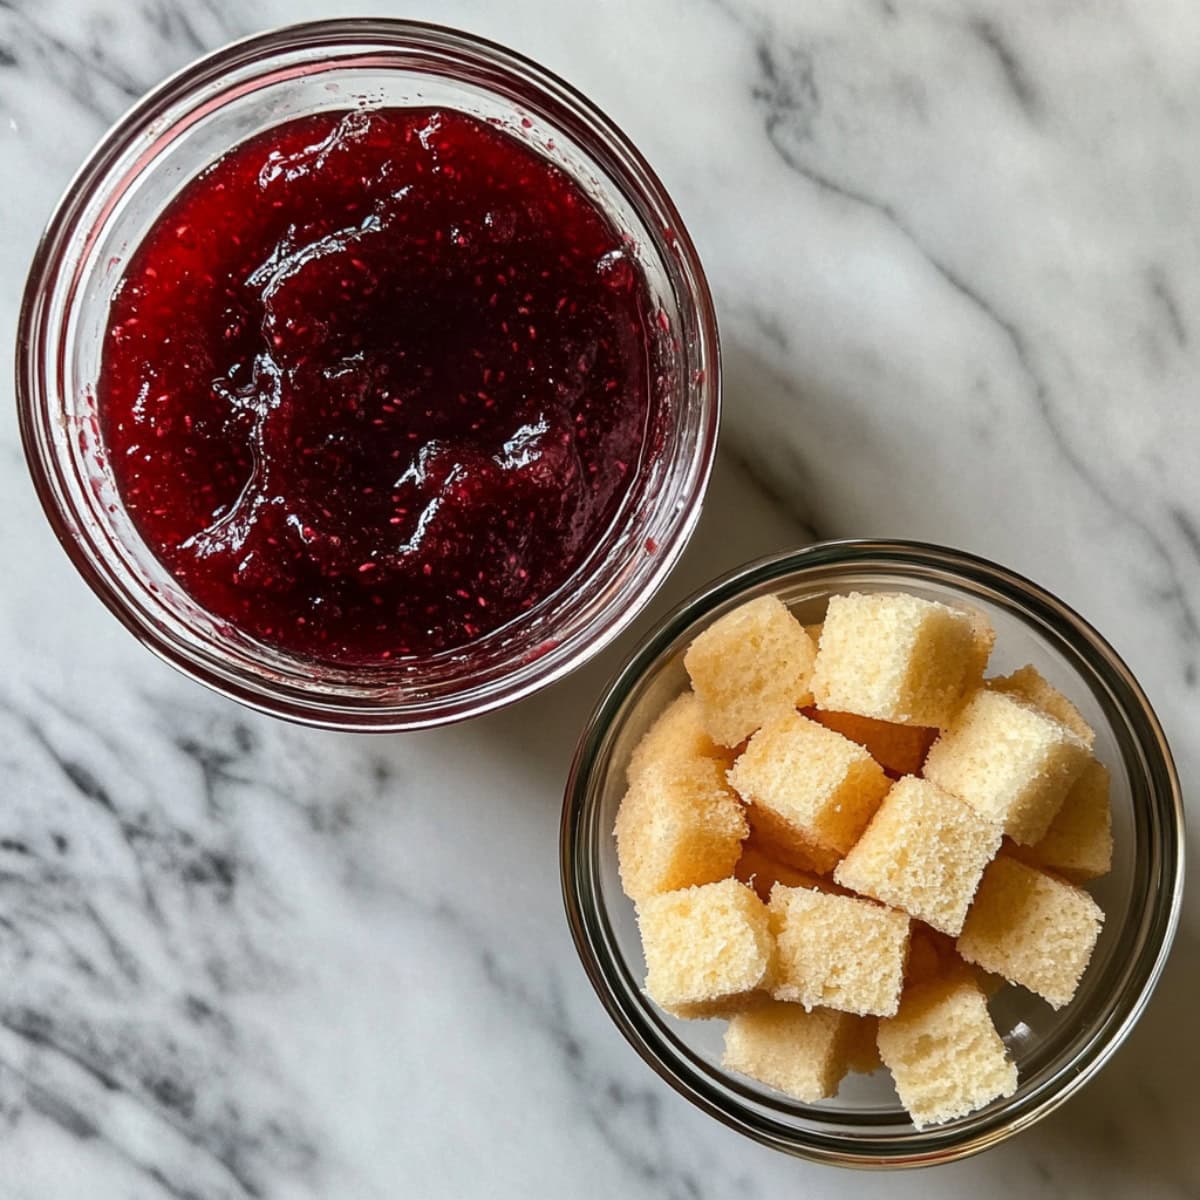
[(924, 852), (803, 1054), (1079, 843), (811, 791), (898, 749), (837, 951), (943, 1051), (678, 734), (761, 870), (896, 658), (679, 824), (748, 667), (1028, 684), (1009, 761), (707, 948), (1031, 928)]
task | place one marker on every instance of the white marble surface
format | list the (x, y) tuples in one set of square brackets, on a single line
[(956, 252)]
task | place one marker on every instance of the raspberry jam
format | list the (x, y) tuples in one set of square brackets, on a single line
[(376, 382)]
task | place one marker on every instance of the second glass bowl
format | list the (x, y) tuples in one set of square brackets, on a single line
[(1055, 1052), (191, 121)]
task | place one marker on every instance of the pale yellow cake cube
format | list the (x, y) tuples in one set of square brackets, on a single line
[(943, 1051), (896, 658), (811, 791), (749, 667), (708, 949), (1028, 684), (898, 749), (1034, 929), (1011, 762), (1079, 843), (677, 735), (923, 852), (837, 952), (802, 1054), (679, 824)]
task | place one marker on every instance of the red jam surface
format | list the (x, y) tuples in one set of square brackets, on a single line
[(376, 382)]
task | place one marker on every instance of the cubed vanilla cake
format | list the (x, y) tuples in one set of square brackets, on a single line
[(1079, 843), (923, 852), (943, 1051), (837, 951), (1028, 684), (1010, 761), (678, 735), (752, 665), (842, 840), (1034, 929), (803, 1054), (679, 824), (896, 657), (708, 949), (811, 791)]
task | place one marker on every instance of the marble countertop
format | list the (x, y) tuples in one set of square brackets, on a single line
[(956, 254)]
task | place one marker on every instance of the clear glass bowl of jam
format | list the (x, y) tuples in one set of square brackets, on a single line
[(1056, 1052), (368, 375)]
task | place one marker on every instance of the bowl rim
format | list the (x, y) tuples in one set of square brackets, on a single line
[(927, 1146), (365, 713)]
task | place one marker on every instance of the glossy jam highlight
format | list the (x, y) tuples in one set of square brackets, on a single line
[(376, 382)]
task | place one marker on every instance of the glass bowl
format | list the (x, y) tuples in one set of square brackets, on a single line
[(1056, 1053), (189, 122)]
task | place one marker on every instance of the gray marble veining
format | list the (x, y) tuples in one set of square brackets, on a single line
[(956, 256)]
